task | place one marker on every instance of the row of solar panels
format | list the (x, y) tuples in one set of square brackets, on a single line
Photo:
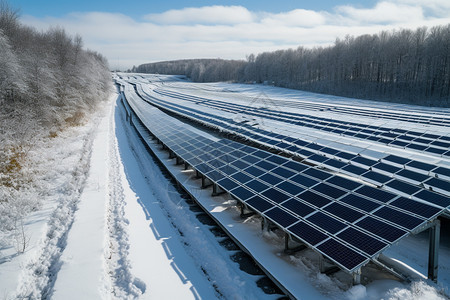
[(401, 138), (404, 116), (400, 175), (346, 221)]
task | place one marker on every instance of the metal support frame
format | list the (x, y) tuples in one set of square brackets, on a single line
[(206, 182), (179, 161), (245, 214), (288, 250), (217, 190), (357, 277), (171, 154), (433, 251)]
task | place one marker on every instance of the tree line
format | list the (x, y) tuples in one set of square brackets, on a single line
[(48, 82), (409, 66)]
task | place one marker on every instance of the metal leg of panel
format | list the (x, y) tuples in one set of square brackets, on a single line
[(433, 253)]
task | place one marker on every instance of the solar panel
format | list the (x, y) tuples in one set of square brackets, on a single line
[(281, 217), (259, 203), (343, 182), (314, 199), (291, 188), (317, 173), (372, 176), (418, 208), (326, 222), (381, 229), (346, 213), (307, 233), (241, 177), (298, 207), (242, 193), (275, 195), (375, 193), (271, 179), (329, 190), (397, 217), (227, 184), (347, 257), (304, 180), (403, 186), (359, 202), (362, 241), (257, 185)]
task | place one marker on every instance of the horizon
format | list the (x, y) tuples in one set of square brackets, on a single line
[(130, 34)]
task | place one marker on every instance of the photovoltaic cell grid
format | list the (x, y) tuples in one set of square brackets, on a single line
[(348, 223), (433, 120), (369, 170), (429, 143)]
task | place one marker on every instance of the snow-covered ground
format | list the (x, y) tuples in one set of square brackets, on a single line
[(111, 225)]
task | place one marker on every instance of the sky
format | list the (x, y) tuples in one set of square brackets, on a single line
[(134, 32)]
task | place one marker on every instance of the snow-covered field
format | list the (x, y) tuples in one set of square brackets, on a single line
[(111, 225)]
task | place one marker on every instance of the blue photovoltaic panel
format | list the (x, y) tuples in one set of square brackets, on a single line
[(279, 160), (291, 188), (360, 202), (295, 166), (381, 229), (283, 172), (346, 213), (314, 199), (397, 217), (214, 175), (439, 183), (432, 197), (259, 203), (364, 161), (307, 233), (347, 257), (265, 165), (397, 159), (419, 177), (242, 193), (251, 159), (345, 155), (329, 190), (227, 184), (228, 170), (257, 185), (241, 177), (421, 209), (317, 173), (386, 167), (377, 177), (298, 207), (403, 186), (362, 241), (281, 217), (375, 193), (271, 179), (240, 164), (344, 182), (275, 195), (354, 169), (326, 222), (334, 163), (421, 165), (304, 180), (254, 171)]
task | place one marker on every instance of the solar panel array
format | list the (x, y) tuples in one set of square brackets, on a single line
[(408, 139), (408, 177), (346, 221)]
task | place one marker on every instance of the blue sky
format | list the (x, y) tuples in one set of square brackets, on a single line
[(132, 32)]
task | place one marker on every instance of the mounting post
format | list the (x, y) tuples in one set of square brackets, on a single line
[(433, 253), (357, 277)]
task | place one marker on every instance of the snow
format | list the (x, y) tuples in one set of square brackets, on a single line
[(111, 225)]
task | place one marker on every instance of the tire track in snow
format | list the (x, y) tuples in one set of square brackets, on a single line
[(125, 285), (39, 275)]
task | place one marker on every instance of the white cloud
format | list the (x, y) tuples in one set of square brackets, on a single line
[(382, 13), (232, 31), (203, 15)]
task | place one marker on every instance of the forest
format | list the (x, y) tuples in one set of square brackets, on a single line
[(48, 82), (407, 66)]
